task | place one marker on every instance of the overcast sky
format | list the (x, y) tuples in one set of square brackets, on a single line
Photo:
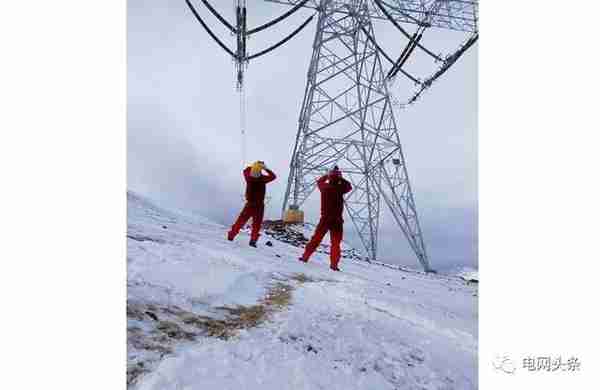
[(184, 147)]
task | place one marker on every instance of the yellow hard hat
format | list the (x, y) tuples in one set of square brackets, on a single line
[(256, 168)]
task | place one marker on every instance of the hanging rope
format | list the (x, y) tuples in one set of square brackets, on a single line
[(243, 124)]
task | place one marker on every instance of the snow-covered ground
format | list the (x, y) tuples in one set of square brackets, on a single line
[(367, 327), (467, 273)]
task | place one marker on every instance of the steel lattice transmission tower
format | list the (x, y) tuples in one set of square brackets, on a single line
[(347, 120)]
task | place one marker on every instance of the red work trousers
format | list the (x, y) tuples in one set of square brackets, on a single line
[(335, 227), (250, 210)]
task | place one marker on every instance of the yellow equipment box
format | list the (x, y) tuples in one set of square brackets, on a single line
[(293, 216)]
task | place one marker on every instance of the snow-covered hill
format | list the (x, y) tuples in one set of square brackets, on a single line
[(206, 313)]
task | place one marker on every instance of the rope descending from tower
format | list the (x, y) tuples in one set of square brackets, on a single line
[(243, 124)]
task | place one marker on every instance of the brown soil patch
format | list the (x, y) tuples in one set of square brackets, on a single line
[(173, 325)]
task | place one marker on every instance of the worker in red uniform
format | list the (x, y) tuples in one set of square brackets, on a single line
[(255, 200), (333, 187)]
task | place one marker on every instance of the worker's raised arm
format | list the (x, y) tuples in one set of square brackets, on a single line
[(272, 176), (347, 187), (321, 181), (247, 173)]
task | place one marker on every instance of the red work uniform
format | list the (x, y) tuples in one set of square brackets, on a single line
[(332, 207), (255, 204)]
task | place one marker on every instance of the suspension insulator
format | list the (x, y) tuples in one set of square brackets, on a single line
[(238, 18), (244, 34)]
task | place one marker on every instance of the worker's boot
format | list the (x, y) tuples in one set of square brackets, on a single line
[(253, 243)]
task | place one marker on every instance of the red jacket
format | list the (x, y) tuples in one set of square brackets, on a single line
[(332, 196), (256, 186)]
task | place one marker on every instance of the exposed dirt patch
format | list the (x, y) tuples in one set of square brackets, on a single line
[(174, 331), (303, 278), (287, 233), (244, 317), (154, 329), (294, 234), (134, 371), (279, 296)]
